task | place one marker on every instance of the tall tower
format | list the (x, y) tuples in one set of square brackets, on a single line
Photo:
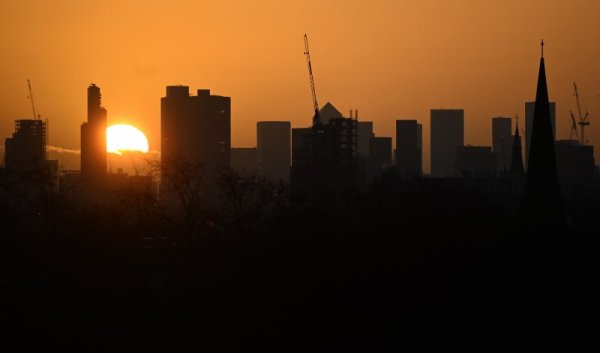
[(93, 136), (502, 142), (274, 149), (447, 133), (529, 110), (408, 148), (541, 186), (26, 149), (195, 130)]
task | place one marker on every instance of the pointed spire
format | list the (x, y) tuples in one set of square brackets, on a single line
[(542, 44), (541, 187), (516, 166)]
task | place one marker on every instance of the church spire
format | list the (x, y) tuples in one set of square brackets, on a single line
[(516, 166), (541, 187)]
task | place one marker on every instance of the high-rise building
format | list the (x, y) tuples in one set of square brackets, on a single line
[(26, 149), (380, 156), (195, 130), (529, 113), (93, 137), (502, 142), (447, 133), (408, 148), (364, 132), (273, 149), (244, 160), (475, 161), (574, 162), (325, 157)]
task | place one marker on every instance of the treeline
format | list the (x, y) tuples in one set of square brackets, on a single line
[(245, 263)]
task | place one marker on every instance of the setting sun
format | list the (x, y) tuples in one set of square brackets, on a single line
[(121, 137)]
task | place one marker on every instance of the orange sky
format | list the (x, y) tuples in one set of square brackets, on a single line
[(388, 59)]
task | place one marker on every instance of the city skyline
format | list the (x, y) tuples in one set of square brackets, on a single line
[(227, 185), (386, 66)]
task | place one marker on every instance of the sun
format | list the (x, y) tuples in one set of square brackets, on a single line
[(121, 138)]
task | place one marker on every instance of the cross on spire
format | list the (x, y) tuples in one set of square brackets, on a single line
[(542, 44)]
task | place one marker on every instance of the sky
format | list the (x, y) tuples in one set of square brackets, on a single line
[(388, 59)]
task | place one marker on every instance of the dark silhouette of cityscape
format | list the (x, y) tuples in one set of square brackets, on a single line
[(320, 236)]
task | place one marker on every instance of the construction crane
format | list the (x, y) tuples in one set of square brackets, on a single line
[(583, 119), (573, 136), (317, 116), (36, 114)]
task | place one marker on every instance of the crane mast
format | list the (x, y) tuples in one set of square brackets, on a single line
[(317, 117), (574, 135), (36, 115), (583, 119)]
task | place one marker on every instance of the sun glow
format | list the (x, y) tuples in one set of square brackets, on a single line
[(121, 138)]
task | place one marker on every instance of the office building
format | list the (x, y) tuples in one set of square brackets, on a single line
[(408, 158), (195, 130), (447, 133), (244, 160), (380, 156), (26, 149), (502, 142), (274, 150), (475, 161)]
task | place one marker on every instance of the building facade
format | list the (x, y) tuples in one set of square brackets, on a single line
[(447, 133)]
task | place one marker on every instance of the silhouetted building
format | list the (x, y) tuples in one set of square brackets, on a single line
[(409, 156), (328, 112), (575, 163), (447, 133), (516, 164), (475, 161), (324, 157), (195, 130), (364, 133), (529, 113), (273, 148), (93, 137), (26, 149), (502, 142), (244, 160), (542, 188), (380, 156)]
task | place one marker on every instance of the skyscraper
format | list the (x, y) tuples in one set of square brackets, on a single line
[(541, 186), (26, 149), (475, 161), (244, 160), (364, 133), (380, 156), (529, 112), (273, 149), (408, 148), (325, 157), (502, 142), (195, 130), (447, 133), (93, 137)]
